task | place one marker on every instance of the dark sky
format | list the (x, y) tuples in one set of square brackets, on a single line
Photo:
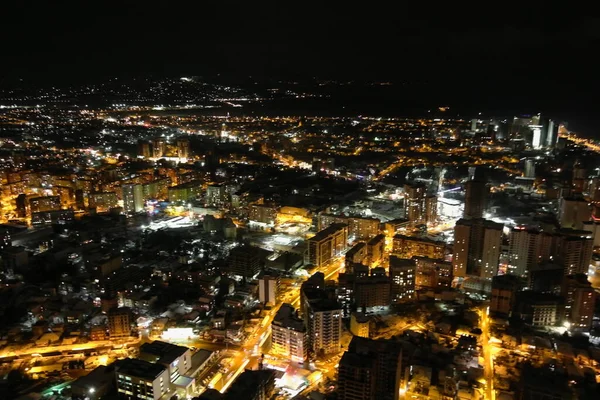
[(513, 53)]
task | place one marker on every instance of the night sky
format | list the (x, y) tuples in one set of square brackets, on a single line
[(528, 57)]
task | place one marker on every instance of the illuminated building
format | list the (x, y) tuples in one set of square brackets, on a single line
[(419, 208), (358, 227), (263, 214), (158, 147), (327, 244), (133, 198), (546, 310), (138, 379), (185, 192), (392, 226), (375, 249), (573, 211), (46, 203), (504, 294), (356, 255), (268, 289), (177, 359), (477, 244), (322, 315), (402, 276), (574, 249), (289, 335), (412, 246), (527, 248), (52, 217), (580, 300), (529, 170), (360, 324), (119, 323), (432, 273), (103, 201), (370, 369), (183, 148), (244, 262), (156, 189), (144, 149), (215, 195), (475, 198), (372, 291)]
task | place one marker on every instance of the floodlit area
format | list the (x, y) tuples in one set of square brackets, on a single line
[(171, 223)]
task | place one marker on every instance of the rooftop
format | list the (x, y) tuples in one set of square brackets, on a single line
[(139, 368), (165, 353), (286, 317), (330, 230)]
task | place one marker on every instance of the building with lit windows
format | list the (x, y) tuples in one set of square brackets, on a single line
[(183, 148), (477, 244), (45, 203), (139, 379), (376, 249), (289, 335), (215, 195), (159, 147), (356, 255), (327, 244), (475, 198), (119, 323), (177, 359), (262, 214), (268, 289), (360, 324), (103, 201), (185, 192), (413, 246), (432, 273), (527, 248), (133, 198), (419, 207), (370, 369), (580, 300), (359, 228), (402, 276)]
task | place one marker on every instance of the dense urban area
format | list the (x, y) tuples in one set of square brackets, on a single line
[(167, 239)]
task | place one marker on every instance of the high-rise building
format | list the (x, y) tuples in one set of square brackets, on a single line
[(268, 289), (477, 244), (402, 276), (44, 203), (360, 324), (177, 359), (158, 147), (139, 379), (504, 294), (574, 249), (183, 148), (322, 315), (419, 208), (103, 201), (289, 335), (244, 261), (529, 170), (360, 228), (252, 385), (327, 244), (215, 195), (375, 249), (262, 214), (356, 255), (551, 130), (413, 246), (527, 248), (370, 369), (432, 273), (119, 323), (372, 291), (133, 198), (144, 149), (580, 300), (573, 211), (475, 198)]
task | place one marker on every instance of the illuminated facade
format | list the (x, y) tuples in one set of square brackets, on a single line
[(289, 335), (133, 198), (432, 273), (403, 276), (327, 244), (359, 228), (412, 246), (477, 244), (138, 379)]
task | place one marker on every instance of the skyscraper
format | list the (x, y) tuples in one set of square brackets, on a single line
[(143, 149), (477, 245), (527, 248), (370, 369), (133, 198), (268, 288), (419, 208), (476, 197)]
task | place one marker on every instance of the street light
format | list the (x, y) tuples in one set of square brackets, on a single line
[(92, 390)]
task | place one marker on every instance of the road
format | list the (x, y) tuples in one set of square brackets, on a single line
[(488, 361)]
